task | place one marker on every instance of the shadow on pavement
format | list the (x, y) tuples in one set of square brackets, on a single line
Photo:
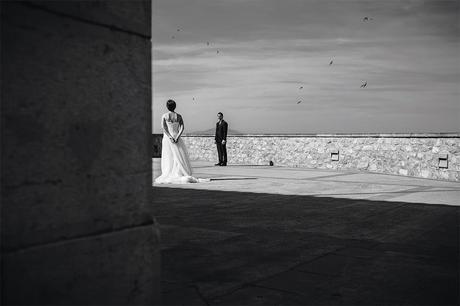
[(233, 178), (239, 248)]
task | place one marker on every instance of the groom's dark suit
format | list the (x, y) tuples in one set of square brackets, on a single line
[(221, 134)]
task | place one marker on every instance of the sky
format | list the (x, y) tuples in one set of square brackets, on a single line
[(275, 53)]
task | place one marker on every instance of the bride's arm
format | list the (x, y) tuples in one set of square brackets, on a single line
[(165, 129), (181, 128)]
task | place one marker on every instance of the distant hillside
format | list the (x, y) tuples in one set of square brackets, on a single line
[(213, 130)]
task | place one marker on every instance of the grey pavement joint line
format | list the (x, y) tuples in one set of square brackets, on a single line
[(349, 256), (377, 213), (275, 289), (325, 274), (440, 225), (394, 194), (84, 20), (54, 182), (230, 291), (202, 297), (253, 284), (174, 226), (328, 176), (293, 268), (79, 237), (358, 203)]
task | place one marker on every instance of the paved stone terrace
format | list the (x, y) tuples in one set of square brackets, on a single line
[(257, 235)]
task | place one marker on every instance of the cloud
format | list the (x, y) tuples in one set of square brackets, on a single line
[(408, 55)]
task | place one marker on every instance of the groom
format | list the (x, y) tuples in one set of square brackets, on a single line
[(221, 139)]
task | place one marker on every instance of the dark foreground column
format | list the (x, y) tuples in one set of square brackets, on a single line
[(76, 157)]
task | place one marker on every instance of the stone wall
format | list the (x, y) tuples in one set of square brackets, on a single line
[(76, 221), (418, 155)]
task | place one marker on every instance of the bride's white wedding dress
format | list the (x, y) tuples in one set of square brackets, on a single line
[(175, 162)]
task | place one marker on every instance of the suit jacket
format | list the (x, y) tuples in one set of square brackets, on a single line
[(221, 131)]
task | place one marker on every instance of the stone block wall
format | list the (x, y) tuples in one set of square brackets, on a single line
[(76, 219), (416, 155)]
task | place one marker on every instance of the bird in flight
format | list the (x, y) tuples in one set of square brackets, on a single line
[(366, 18), (298, 102), (330, 63), (193, 98), (178, 29), (301, 87), (364, 85), (217, 51)]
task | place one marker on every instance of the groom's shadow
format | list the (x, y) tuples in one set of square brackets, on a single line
[(232, 178)]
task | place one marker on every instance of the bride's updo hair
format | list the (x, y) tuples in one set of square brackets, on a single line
[(171, 105)]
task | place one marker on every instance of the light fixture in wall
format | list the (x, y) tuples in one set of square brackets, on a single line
[(443, 161), (335, 155)]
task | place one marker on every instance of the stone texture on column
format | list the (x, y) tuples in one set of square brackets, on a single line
[(77, 226)]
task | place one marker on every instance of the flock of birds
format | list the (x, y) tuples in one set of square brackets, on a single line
[(179, 29), (207, 43), (363, 85)]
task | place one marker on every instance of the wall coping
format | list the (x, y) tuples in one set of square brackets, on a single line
[(343, 135)]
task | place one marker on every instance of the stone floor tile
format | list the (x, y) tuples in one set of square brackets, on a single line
[(182, 295), (396, 279), (253, 295), (308, 285), (358, 253), (329, 265)]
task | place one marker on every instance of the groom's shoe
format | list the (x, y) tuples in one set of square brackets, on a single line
[(223, 164), (218, 164)]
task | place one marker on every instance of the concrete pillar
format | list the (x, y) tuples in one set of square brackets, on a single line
[(76, 221)]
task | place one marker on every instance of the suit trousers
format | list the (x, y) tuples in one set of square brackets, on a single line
[(222, 151)]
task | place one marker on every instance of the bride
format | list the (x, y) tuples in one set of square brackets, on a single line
[(175, 162)]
